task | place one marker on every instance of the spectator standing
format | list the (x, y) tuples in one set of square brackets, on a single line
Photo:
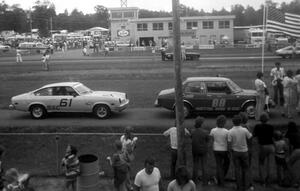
[(277, 75), (120, 165), (297, 78), (237, 138), (70, 163), (182, 181), (149, 178), (293, 136), (260, 87), (46, 60), (264, 134), (18, 56), (281, 151), (246, 125), (128, 146), (200, 144), (172, 133), (220, 148), (289, 93)]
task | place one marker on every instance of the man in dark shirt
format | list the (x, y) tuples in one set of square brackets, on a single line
[(264, 134), (293, 135), (200, 141)]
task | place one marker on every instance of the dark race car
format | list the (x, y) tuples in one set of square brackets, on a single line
[(166, 55), (210, 94)]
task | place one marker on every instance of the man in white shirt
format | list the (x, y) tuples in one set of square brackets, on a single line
[(149, 178), (172, 133), (237, 138), (260, 87), (277, 74)]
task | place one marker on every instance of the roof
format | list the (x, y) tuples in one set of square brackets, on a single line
[(62, 84), (97, 29), (221, 17), (191, 79)]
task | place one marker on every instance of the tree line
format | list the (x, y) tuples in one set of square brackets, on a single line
[(43, 16)]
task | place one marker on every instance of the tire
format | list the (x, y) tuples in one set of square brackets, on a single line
[(102, 111), (38, 111), (249, 109)]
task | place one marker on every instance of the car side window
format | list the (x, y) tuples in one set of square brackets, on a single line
[(71, 91), (44, 92), (217, 88), (195, 87)]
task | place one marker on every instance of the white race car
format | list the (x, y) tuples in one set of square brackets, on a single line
[(69, 97)]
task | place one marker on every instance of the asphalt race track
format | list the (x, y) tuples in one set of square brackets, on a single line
[(140, 76)]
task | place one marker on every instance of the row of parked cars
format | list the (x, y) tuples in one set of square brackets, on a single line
[(200, 94)]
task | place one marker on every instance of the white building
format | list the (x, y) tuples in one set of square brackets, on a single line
[(199, 30)]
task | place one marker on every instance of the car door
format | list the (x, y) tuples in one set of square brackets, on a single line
[(195, 94), (77, 102), (218, 96), (46, 96)]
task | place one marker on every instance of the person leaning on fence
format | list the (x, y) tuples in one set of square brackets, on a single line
[(172, 133), (120, 165), (237, 139), (200, 142), (281, 154), (70, 163), (220, 147), (293, 137), (264, 133)]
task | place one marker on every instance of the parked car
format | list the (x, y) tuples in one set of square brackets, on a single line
[(123, 43), (210, 94), (69, 97), (288, 52), (4, 48), (168, 55)]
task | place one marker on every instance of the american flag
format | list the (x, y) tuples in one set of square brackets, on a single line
[(286, 23)]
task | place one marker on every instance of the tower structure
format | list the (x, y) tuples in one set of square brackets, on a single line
[(123, 3)]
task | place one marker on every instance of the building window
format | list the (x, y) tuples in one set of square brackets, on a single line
[(158, 26), (116, 15), (123, 27), (128, 14), (208, 24), (191, 25), (142, 27), (224, 24), (170, 26)]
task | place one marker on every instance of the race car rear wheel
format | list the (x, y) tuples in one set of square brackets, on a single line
[(249, 109), (102, 111), (37, 111)]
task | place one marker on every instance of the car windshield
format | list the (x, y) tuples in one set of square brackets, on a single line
[(82, 89), (234, 87)]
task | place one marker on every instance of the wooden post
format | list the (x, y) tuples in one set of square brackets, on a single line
[(178, 82)]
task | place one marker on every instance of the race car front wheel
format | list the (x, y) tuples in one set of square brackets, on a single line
[(102, 111), (249, 109), (37, 111)]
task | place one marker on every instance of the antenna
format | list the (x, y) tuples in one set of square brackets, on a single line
[(123, 3)]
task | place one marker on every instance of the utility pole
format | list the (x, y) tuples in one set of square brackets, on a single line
[(178, 83), (51, 26)]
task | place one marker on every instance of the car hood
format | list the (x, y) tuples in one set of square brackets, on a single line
[(167, 91), (108, 94), (248, 92)]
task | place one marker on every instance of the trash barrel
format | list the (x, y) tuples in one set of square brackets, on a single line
[(88, 180)]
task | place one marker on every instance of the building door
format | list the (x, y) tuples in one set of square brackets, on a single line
[(145, 41)]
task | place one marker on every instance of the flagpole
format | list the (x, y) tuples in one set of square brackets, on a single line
[(263, 40)]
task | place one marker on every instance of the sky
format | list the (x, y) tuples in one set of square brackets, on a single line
[(87, 6)]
